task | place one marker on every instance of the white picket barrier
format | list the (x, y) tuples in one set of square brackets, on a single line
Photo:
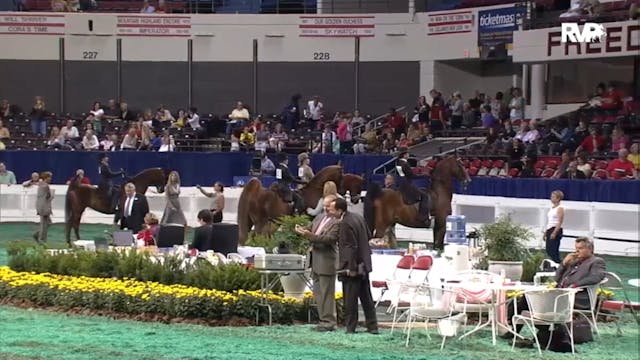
[(615, 227)]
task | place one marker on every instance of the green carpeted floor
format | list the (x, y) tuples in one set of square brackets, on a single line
[(36, 334)]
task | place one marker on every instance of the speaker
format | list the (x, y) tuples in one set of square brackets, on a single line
[(224, 238), (170, 235)]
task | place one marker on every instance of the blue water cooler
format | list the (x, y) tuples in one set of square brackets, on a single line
[(456, 230)]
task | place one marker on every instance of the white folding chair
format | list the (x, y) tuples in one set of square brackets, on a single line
[(473, 294), (221, 258), (433, 304), (590, 313), (615, 308), (547, 307), (236, 258)]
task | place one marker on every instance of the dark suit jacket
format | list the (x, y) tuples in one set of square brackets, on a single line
[(139, 209), (589, 272), (324, 254), (202, 239), (353, 244)]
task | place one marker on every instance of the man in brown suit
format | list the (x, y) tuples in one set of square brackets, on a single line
[(354, 266), (43, 206), (323, 235)]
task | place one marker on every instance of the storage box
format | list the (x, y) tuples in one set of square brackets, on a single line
[(279, 262)]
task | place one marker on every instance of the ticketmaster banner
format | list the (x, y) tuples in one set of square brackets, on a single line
[(496, 26)]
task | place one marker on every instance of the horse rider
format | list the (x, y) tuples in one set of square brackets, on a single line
[(284, 180), (411, 192), (106, 185)]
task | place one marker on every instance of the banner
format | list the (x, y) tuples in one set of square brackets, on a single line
[(337, 26), (14, 23), (450, 23), (496, 26), (153, 25)]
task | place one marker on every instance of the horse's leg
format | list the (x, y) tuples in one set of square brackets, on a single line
[(439, 229)]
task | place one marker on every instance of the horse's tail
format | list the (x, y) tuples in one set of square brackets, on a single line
[(374, 191), (252, 188)]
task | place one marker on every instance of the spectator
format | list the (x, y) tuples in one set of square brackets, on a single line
[(561, 172), (516, 153), (38, 117), (238, 117), (130, 141), (80, 175), (291, 113), (180, 121), (235, 143), (634, 156), (507, 133), (528, 170), (266, 165), (345, 134), (56, 139), (7, 177), (618, 140), (468, 116), (516, 106), (150, 229), (164, 116), (611, 100), (390, 182), (367, 141), (583, 165), (147, 8), (69, 131), (592, 143), (113, 110), (305, 173), (125, 113), (573, 173), (4, 132), (35, 178), (457, 108), (108, 143), (7, 110), (202, 239), (262, 136), (423, 109), (146, 137), (167, 144), (95, 117), (315, 111), (416, 133), (436, 116), (531, 136), (488, 120), (194, 119), (330, 143), (396, 122), (402, 143), (621, 167), (246, 138), (357, 120), (498, 108), (90, 141)]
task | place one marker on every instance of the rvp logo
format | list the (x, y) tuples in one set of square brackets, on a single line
[(590, 33)]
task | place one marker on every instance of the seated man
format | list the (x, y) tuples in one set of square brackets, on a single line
[(578, 269), (202, 234), (410, 192)]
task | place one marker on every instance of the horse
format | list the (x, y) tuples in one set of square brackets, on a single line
[(385, 207), (259, 208), (79, 197)]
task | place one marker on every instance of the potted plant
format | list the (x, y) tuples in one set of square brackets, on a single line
[(286, 239), (504, 243)]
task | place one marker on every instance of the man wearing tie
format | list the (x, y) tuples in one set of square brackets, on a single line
[(43, 206), (323, 235), (135, 207)]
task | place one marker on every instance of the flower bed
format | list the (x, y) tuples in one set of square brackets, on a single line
[(134, 297)]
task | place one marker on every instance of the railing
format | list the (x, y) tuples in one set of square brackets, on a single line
[(613, 226), (357, 131)]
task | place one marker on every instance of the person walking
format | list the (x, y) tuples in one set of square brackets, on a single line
[(43, 206), (173, 211), (354, 266), (218, 200), (553, 234)]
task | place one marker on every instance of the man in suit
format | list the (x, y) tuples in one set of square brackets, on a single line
[(43, 206), (323, 235), (354, 266), (202, 235), (579, 269), (131, 213)]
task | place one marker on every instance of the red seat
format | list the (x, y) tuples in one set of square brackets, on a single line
[(473, 171), (547, 173), (405, 264), (487, 163), (539, 164), (514, 172), (498, 164), (428, 171), (538, 171), (600, 174), (552, 164), (432, 163), (423, 263), (476, 163)]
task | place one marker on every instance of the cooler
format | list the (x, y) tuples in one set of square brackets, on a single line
[(456, 230), (279, 262)]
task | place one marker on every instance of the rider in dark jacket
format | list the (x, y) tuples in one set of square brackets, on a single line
[(284, 179), (411, 192), (106, 184)]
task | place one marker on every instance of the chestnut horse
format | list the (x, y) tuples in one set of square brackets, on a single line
[(79, 197), (259, 208), (385, 208)]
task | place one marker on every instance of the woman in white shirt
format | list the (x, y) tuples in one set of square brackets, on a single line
[(90, 141), (553, 234), (167, 144), (130, 141), (516, 106)]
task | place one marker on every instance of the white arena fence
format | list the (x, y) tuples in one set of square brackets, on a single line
[(614, 227)]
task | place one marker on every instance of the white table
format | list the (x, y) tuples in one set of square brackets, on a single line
[(634, 282)]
